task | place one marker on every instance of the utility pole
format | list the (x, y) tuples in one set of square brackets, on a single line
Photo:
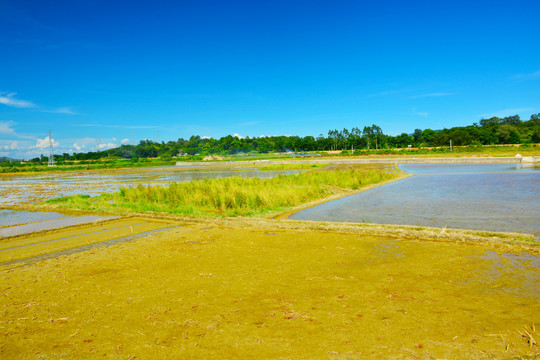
[(450, 145), (51, 152)]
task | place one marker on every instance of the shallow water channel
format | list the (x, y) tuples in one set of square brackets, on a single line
[(489, 197)]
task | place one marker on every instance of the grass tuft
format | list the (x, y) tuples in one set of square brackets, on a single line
[(236, 196)]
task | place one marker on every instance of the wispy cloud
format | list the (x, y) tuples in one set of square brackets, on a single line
[(506, 112), (11, 146), (420, 113), (528, 76), (61, 110), (10, 100), (437, 94), (6, 128)]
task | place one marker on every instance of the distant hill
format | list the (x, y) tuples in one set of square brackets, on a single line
[(3, 158)]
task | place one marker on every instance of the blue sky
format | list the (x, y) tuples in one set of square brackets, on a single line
[(102, 73)]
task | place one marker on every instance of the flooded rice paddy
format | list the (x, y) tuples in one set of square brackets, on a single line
[(19, 189), (488, 197)]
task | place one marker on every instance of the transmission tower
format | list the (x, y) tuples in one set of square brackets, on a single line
[(51, 154)]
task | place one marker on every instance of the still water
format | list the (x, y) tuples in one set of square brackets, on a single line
[(32, 188), (491, 197)]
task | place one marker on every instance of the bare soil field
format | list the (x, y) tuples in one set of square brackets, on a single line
[(259, 288)]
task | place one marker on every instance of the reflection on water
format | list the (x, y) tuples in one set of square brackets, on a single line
[(32, 188), (490, 197), (439, 169)]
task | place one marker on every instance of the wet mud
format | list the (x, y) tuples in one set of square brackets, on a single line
[(209, 291), (30, 245)]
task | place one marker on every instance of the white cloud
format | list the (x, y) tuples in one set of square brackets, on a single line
[(430, 95), (88, 144), (530, 76), (506, 112), (420, 113), (106, 146), (6, 128), (44, 143), (206, 137), (9, 100), (124, 141), (61, 110), (13, 146), (78, 147), (238, 136)]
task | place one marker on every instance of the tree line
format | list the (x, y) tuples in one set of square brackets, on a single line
[(492, 131)]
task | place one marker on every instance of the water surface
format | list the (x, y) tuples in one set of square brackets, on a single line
[(11, 217), (490, 197), (38, 187)]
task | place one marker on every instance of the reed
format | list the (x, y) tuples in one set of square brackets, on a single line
[(235, 196)]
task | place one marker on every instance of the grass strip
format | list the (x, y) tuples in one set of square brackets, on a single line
[(234, 196)]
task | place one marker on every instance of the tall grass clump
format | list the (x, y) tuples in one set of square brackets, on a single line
[(236, 196)]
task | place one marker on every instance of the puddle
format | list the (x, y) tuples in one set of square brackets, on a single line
[(11, 217), (51, 224)]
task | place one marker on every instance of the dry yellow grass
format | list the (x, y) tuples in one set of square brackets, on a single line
[(205, 291)]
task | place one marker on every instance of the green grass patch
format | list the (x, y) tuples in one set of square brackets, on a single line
[(234, 196)]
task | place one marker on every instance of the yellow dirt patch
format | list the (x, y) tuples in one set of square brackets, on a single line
[(210, 292)]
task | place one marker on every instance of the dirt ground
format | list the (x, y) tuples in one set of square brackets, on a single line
[(207, 291)]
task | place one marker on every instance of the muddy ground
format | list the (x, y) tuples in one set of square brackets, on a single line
[(248, 290)]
